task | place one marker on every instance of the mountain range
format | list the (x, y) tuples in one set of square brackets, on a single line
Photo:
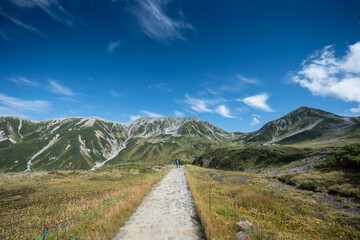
[(91, 142)]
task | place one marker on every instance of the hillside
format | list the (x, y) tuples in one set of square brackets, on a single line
[(305, 125), (91, 142), (88, 143), (260, 159)]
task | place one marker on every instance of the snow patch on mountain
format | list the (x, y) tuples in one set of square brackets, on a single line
[(52, 142), (90, 122), (83, 148), (2, 136), (54, 129), (116, 149), (19, 128)]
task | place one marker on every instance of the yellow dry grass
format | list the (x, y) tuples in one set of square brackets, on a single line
[(31, 204), (276, 213)]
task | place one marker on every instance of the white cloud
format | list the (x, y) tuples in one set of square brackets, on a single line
[(16, 104), (51, 7), (198, 105), (113, 45), (223, 111), (255, 121), (351, 62), (151, 114), (21, 81), (160, 86), (208, 106), (325, 75), (355, 110), (55, 87), (179, 114), (156, 24), (21, 24), (248, 80), (133, 118), (258, 102)]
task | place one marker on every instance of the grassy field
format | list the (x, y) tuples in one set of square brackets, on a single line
[(276, 212), (33, 203)]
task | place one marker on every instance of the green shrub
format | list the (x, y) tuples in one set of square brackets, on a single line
[(287, 179), (308, 185), (348, 157)]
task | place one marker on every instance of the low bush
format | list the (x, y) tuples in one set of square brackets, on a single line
[(348, 158), (308, 185)]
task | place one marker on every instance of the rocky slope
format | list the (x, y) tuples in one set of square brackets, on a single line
[(304, 125), (88, 143)]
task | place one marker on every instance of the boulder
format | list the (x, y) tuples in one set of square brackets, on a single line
[(243, 226), (242, 235)]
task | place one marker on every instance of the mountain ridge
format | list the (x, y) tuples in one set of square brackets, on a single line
[(92, 142)]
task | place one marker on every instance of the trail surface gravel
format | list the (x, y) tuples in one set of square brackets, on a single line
[(167, 212)]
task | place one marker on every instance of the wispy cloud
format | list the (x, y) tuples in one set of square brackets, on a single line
[(212, 91), (21, 24), (157, 24), (198, 105), (258, 102), (160, 86), (112, 46), (179, 114), (151, 114), (21, 81), (4, 111), (223, 111), (323, 74), (51, 7), (5, 36), (55, 87), (229, 83), (255, 121), (248, 80), (115, 94), (134, 117), (19, 105), (208, 106)]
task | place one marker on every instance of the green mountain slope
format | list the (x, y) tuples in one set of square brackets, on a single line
[(304, 125), (88, 143)]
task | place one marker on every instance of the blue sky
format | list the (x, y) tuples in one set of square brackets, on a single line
[(237, 64)]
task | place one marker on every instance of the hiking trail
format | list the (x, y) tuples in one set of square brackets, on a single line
[(166, 212)]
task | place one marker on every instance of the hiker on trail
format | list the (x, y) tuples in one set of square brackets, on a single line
[(179, 162), (176, 163)]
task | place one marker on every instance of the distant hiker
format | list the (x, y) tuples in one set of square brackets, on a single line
[(179, 162), (176, 163)]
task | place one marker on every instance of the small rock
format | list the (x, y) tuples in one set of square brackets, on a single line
[(243, 225), (242, 236)]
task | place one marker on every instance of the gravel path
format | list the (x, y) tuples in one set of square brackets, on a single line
[(167, 212)]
